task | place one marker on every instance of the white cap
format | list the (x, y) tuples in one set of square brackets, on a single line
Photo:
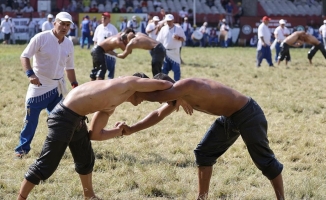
[(64, 16), (324, 21), (169, 17), (282, 21), (50, 16), (223, 20), (6, 17), (134, 17), (155, 18), (205, 24)]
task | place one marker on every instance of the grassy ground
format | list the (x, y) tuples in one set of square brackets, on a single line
[(158, 163)]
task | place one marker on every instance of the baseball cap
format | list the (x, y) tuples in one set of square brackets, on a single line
[(186, 18), (282, 21), (64, 16), (50, 16), (324, 21), (205, 24), (155, 18), (106, 14), (265, 18), (169, 17), (6, 17), (134, 17), (223, 20)]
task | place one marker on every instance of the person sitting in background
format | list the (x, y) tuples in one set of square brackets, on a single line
[(210, 3), (253, 41), (238, 14), (157, 3), (116, 9), (213, 37), (138, 9), (18, 12), (123, 8), (129, 3), (28, 8), (183, 13), (93, 9)]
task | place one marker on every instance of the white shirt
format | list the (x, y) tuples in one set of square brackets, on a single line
[(186, 26), (5, 26), (183, 13), (281, 32), (31, 24), (165, 36), (47, 26), (102, 32), (50, 58), (151, 27), (322, 29), (263, 31)]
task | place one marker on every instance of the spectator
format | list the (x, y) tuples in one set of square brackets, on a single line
[(48, 25), (172, 44), (86, 29), (41, 21), (115, 1), (129, 3), (229, 14), (15, 5), (322, 32), (190, 16), (6, 29), (183, 13), (116, 9), (18, 12), (253, 41), (157, 3), (280, 33), (71, 7), (224, 3), (79, 8), (152, 26), (28, 8), (13, 31), (123, 8), (210, 3), (72, 32), (31, 24), (133, 24), (186, 26), (103, 31), (93, 9), (130, 10), (94, 23), (203, 30), (213, 37), (144, 3), (264, 43), (143, 25), (123, 24), (238, 14), (86, 3), (224, 32), (138, 9)]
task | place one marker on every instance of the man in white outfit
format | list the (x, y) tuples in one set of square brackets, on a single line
[(280, 33), (264, 43), (103, 31), (53, 55), (6, 29), (152, 27), (322, 32), (171, 36), (48, 24)]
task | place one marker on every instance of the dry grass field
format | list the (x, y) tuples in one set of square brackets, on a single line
[(158, 163)]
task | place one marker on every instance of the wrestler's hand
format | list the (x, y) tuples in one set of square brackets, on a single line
[(33, 79), (186, 107), (126, 130)]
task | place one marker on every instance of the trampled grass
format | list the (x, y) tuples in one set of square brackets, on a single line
[(158, 163)]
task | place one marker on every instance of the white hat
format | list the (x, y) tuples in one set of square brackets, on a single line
[(6, 17), (50, 16), (324, 21), (64, 16), (134, 17), (169, 17), (282, 21), (155, 18), (223, 20), (205, 24)]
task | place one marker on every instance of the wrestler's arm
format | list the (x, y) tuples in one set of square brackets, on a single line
[(150, 120), (298, 43), (127, 50), (147, 85), (99, 121)]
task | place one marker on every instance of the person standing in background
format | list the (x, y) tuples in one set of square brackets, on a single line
[(123, 24), (13, 31), (6, 29), (203, 30), (223, 36), (172, 37), (280, 33), (186, 26), (48, 24), (86, 28), (103, 31), (152, 26), (53, 54), (322, 32), (264, 43), (31, 24)]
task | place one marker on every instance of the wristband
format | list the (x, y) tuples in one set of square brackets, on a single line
[(74, 84), (29, 73)]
